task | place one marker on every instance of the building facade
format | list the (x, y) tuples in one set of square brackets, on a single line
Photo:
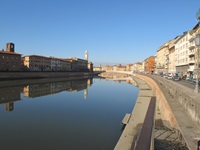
[(9, 60), (37, 63), (181, 54), (129, 67), (78, 64), (192, 50), (150, 64), (161, 59)]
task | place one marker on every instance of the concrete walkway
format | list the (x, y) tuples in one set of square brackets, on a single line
[(166, 138), (136, 120)]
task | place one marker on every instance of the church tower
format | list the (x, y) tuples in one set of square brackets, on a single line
[(10, 47), (86, 55)]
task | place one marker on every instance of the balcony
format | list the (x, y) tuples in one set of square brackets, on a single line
[(191, 46), (191, 61), (191, 38), (191, 53)]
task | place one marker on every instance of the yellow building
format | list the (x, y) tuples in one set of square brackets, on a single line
[(97, 68), (137, 67), (129, 67), (107, 67), (37, 63), (171, 56), (162, 58)]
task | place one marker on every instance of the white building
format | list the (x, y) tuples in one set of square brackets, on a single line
[(181, 54)]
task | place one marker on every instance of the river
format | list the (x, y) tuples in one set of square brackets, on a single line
[(64, 115)]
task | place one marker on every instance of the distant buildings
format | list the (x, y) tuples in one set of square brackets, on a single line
[(11, 61), (149, 64), (176, 56)]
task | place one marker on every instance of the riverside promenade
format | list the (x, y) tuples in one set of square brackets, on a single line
[(177, 115), (179, 107)]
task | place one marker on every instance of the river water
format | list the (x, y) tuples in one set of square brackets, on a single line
[(64, 115)]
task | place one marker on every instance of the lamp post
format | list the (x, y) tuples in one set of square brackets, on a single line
[(197, 43)]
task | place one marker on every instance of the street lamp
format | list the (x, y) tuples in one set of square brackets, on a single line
[(197, 43)]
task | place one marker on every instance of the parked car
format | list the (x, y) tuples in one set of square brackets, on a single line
[(165, 76), (169, 77), (176, 78), (184, 77)]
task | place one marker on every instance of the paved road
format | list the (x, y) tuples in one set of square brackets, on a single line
[(186, 83), (166, 138)]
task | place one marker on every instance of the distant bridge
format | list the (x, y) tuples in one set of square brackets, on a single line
[(123, 72)]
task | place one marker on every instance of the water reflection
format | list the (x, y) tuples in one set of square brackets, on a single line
[(8, 96), (119, 77), (11, 94), (51, 114)]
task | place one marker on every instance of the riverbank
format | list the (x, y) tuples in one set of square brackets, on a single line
[(132, 129), (39, 75), (179, 108), (168, 133)]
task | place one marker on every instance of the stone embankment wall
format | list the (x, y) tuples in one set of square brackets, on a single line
[(130, 134), (29, 75), (179, 106)]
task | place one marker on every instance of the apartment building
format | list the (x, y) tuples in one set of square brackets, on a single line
[(171, 56), (65, 65), (90, 66), (181, 54), (55, 64), (9, 60), (150, 64), (78, 64), (138, 67), (129, 67), (107, 67), (192, 50), (37, 63), (119, 67), (162, 58)]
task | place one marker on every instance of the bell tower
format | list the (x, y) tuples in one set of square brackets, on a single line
[(10, 47), (86, 55)]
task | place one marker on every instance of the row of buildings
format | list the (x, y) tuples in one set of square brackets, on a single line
[(178, 55), (12, 61)]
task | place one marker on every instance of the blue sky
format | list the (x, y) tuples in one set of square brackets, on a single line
[(113, 31)]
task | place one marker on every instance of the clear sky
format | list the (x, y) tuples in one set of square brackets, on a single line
[(113, 31)]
